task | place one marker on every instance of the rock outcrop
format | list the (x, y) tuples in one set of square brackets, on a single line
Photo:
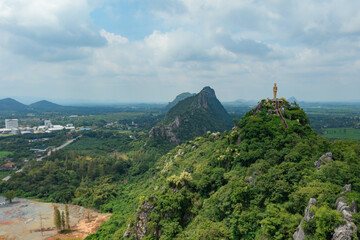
[(193, 117), (323, 160), (167, 132), (139, 230), (349, 229), (300, 233)]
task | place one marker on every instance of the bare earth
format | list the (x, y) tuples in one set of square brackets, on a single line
[(29, 220)]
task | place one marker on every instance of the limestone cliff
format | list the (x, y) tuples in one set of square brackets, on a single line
[(193, 117)]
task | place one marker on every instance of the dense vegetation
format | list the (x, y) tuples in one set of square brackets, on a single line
[(204, 190), (193, 116), (252, 182)]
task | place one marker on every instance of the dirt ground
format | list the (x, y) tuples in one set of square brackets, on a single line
[(28, 220)]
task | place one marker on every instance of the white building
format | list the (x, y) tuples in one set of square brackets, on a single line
[(56, 128), (48, 123), (11, 123), (70, 126), (15, 131), (5, 130)]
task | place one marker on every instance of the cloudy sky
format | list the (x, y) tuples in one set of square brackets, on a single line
[(152, 50)]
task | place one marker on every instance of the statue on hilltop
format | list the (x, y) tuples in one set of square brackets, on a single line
[(275, 90)]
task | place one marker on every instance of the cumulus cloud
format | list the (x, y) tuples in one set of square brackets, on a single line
[(49, 30), (238, 47)]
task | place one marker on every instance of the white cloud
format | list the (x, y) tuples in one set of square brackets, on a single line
[(238, 47), (48, 29)]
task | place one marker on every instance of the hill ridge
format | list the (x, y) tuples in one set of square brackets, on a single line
[(192, 117)]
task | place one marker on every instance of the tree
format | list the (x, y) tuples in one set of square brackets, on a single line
[(67, 217), (57, 218), (10, 195), (63, 220)]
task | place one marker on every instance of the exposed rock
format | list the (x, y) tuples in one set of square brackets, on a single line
[(342, 207), (140, 228), (258, 108), (300, 233), (308, 215), (347, 230), (166, 132), (323, 160), (344, 232), (353, 207), (238, 141), (347, 188), (250, 180), (193, 117)]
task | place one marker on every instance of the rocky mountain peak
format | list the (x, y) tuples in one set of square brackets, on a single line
[(208, 91), (204, 97)]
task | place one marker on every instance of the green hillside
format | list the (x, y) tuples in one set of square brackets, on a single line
[(193, 117), (252, 182), (179, 98), (9, 104)]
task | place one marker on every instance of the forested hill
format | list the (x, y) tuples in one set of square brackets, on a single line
[(192, 117), (253, 182), (179, 98), (9, 104)]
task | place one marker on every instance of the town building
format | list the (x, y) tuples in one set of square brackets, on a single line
[(48, 123), (8, 166), (11, 123)]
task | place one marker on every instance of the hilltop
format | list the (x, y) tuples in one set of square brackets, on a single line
[(45, 105), (262, 179), (179, 98), (193, 116), (9, 104), (254, 182)]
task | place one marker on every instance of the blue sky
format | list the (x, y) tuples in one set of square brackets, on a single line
[(150, 51)]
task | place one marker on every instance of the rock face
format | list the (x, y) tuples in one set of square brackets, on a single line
[(140, 229), (167, 132), (349, 229), (300, 233), (323, 160), (193, 117), (282, 106)]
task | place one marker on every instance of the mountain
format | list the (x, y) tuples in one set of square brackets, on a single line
[(178, 98), (292, 99), (254, 182), (263, 179), (45, 105), (192, 117), (9, 104)]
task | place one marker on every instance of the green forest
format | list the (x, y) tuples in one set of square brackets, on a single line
[(251, 182)]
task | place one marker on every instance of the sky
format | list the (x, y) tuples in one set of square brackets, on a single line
[(153, 50)]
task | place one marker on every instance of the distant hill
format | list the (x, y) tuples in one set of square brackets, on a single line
[(292, 99), (45, 105), (9, 104), (178, 98), (193, 117)]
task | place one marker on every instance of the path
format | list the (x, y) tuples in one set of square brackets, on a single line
[(47, 155), (280, 114)]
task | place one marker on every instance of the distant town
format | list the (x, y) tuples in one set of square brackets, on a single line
[(12, 127)]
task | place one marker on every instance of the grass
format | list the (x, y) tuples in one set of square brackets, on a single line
[(4, 154), (343, 133), (5, 135)]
